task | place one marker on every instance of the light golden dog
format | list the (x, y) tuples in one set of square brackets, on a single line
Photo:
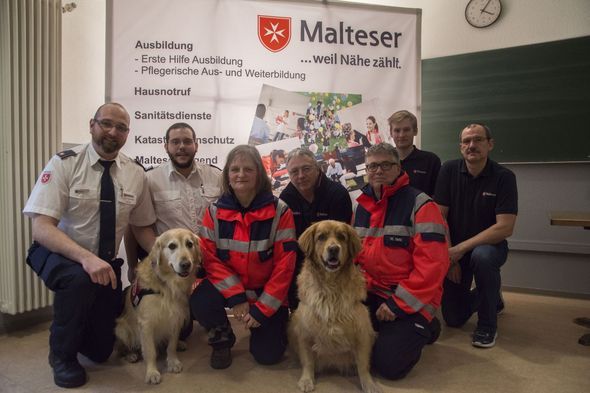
[(331, 327), (165, 278)]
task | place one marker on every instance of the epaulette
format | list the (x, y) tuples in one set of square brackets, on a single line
[(66, 153), (142, 167)]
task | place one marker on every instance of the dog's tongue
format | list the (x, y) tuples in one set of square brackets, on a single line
[(332, 262), (183, 274)]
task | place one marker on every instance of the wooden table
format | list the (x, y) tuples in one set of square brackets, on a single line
[(574, 219), (571, 219)]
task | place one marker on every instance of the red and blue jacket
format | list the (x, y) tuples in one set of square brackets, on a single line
[(249, 253), (405, 253)]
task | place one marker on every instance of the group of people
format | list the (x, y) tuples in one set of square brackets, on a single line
[(88, 197)]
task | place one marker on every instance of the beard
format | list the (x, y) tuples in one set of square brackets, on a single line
[(182, 165), (107, 145)]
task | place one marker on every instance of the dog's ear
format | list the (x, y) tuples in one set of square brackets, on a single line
[(354, 244), (154, 255), (306, 240)]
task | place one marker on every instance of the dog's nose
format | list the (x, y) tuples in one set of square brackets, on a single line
[(333, 250), (185, 265)]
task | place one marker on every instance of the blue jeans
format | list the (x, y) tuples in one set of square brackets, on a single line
[(459, 302)]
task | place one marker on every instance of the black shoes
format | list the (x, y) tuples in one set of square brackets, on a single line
[(484, 339), (67, 373), (221, 358), (434, 327)]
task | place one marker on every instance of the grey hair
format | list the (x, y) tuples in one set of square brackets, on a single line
[(300, 152), (383, 148)]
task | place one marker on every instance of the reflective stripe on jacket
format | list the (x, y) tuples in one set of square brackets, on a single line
[(405, 254), (249, 254)]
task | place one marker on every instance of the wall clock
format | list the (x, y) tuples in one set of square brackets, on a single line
[(482, 13)]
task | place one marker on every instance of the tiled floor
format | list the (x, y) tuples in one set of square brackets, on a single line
[(537, 351)]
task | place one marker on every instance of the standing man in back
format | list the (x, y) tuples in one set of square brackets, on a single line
[(421, 166), (479, 199)]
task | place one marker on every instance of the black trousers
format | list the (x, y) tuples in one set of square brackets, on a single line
[(267, 342), (399, 343), (84, 313), (459, 302)]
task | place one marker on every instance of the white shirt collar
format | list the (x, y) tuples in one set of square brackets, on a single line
[(94, 157)]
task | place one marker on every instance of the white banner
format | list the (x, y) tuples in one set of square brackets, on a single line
[(323, 72)]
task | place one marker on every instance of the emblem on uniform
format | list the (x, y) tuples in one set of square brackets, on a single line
[(274, 32), (45, 177)]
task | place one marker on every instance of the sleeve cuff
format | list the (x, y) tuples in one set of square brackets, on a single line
[(237, 299), (258, 315), (395, 308)]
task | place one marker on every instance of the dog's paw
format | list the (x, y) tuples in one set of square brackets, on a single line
[(173, 366), (153, 377), (132, 357), (305, 385), (370, 387), (181, 346)]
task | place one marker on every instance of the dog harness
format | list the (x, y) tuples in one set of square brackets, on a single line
[(137, 293)]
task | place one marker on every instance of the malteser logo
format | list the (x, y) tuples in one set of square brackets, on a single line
[(45, 177), (274, 32)]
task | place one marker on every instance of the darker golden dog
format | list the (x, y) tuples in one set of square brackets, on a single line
[(165, 277), (331, 327)]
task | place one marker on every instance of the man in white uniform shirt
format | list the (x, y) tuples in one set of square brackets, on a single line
[(77, 230), (181, 189)]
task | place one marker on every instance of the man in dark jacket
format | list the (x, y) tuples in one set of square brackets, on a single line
[(312, 197)]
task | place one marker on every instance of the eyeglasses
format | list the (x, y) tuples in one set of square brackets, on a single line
[(107, 125), (385, 166), (476, 140)]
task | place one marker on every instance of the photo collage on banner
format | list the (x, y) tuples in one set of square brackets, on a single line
[(277, 75)]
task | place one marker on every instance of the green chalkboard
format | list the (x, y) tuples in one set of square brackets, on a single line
[(535, 98)]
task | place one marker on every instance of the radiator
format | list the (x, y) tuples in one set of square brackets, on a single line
[(30, 99)]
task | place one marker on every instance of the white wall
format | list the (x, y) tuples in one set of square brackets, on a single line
[(83, 67), (445, 31)]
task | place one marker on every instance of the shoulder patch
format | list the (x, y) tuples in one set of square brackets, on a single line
[(66, 153)]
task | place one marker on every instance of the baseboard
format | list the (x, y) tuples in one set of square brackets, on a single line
[(11, 323), (545, 292)]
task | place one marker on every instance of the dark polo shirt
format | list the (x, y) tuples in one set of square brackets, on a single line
[(422, 167), (331, 202), (474, 202)]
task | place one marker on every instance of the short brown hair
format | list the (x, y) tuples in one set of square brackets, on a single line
[(487, 130), (262, 180)]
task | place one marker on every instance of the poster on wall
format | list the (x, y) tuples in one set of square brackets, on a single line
[(274, 74)]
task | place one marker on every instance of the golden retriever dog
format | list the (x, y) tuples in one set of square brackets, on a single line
[(156, 307), (331, 327)]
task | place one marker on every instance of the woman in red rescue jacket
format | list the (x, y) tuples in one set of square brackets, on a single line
[(404, 258), (248, 243)]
